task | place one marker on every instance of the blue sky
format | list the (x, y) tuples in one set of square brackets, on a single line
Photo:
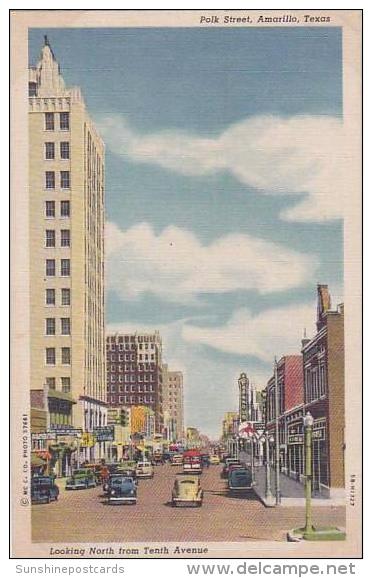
[(227, 142)]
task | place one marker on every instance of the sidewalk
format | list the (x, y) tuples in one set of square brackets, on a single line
[(291, 491)]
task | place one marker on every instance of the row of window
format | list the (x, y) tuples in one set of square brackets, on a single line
[(50, 209), (65, 355), (50, 267), (315, 382), (64, 120), (132, 388), (64, 381), (64, 179), (50, 297), (128, 357), (132, 378), (127, 346), (50, 150), (50, 238), (133, 399), (131, 367), (65, 325)]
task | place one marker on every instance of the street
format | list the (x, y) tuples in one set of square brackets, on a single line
[(84, 516)]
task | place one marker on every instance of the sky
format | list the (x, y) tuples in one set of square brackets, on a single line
[(226, 166)]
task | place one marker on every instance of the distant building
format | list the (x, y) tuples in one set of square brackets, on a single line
[(324, 393), (230, 424), (134, 372), (173, 404)]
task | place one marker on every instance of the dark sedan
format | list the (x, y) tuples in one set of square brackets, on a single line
[(44, 490)]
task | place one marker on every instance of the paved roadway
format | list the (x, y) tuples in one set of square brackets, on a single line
[(84, 516)]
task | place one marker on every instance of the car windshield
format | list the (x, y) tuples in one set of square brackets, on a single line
[(43, 482), (127, 482)]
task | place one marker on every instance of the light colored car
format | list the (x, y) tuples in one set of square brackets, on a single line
[(187, 491), (145, 470), (214, 460)]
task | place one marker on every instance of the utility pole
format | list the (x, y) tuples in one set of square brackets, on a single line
[(277, 441)]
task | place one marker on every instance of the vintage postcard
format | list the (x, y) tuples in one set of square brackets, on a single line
[(186, 283)]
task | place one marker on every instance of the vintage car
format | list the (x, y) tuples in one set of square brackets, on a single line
[(240, 479), (145, 470), (176, 460), (123, 490), (192, 462), (43, 490), (97, 470), (214, 460), (187, 491), (231, 465), (81, 479)]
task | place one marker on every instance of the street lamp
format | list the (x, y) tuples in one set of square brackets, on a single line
[(308, 425), (269, 499)]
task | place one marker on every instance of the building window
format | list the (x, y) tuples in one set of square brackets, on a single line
[(64, 149), (64, 121), (66, 384), (65, 179), (65, 208), (65, 237), (65, 326), (50, 326), (49, 151), (65, 297), (49, 121), (50, 267), (50, 296), (50, 180), (32, 89), (50, 356), (65, 267), (50, 238), (50, 382), (50, 209), (65, 355)]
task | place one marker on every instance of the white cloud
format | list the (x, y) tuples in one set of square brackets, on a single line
[(175, 266), (299, 155), (269, 333)]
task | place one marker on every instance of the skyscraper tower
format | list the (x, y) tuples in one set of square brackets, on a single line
[(66, 216)]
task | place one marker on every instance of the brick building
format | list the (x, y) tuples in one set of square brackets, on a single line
[(290, 411), (134, 372), (324, 395)]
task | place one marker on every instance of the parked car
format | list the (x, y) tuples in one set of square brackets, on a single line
[(145, 470), (240, 479), (43, 490), (187, 491), (214, 460), (228, 467), (81, 479), (122, 490)]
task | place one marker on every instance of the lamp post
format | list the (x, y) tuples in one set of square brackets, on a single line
[(269, 499), (308, 425)]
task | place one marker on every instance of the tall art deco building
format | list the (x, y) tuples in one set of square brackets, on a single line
[(66, 193)]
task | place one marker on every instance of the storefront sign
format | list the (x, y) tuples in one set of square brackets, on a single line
[(104, 433), (87, 440), (38, 437), (64, 430)]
